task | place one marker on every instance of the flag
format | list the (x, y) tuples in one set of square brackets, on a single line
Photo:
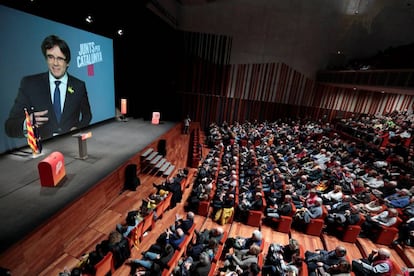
[(36, 133), (31, 138)]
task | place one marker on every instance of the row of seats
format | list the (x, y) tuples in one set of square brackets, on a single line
[(106, 265), (194, 150), (179, 253)]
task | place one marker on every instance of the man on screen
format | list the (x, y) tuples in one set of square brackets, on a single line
[(59, 101)]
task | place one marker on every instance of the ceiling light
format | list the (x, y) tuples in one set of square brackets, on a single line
[(89, 19)]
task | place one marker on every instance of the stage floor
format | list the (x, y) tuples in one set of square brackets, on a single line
[(25, 204)]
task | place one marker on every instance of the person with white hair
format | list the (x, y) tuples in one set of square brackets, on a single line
[(399, 199), (209, 234), (304, 215), (240, 243), (377, 263)]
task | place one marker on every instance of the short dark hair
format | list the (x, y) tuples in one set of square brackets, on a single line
[(53, 40)]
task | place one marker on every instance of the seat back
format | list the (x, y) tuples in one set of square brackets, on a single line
[(388, 234), (135, 235), (105, 266), (315, 226)]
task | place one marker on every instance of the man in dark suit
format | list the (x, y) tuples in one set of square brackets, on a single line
[(36, 94), (182, 223)]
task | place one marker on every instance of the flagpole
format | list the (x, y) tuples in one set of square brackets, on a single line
[(31, 137)]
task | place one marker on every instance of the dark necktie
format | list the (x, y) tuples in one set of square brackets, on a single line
[(56, 101)]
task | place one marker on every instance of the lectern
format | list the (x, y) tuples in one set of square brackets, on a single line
[(83, 149), (155, 118), (52, 169)]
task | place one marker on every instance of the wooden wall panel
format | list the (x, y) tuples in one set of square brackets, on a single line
[(212, 90)]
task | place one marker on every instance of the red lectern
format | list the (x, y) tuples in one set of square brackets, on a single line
[(52, 169), (155, 118)]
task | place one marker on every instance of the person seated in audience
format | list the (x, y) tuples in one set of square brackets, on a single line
[(340, 206), (364, 196), (225, 209), (184, 224), (131, 222), (206, 235), (388, 189), (333, 221), (284, 209), (310, 199), (343, 268), (76, 271), (256, 204), (200, 192), (172, 185), (202, 266), (357, 187), (175, 238), (321, 158), (324, 258), (405, 233), (375, 182), (281, 259), (333, 196), (183, 268), (103, 248), (195, 248), (252, 270), (377, 263), (243, 260), (239, 243), (400, 199), (304, 215), (153, 262), (373, 224), (375, 206)]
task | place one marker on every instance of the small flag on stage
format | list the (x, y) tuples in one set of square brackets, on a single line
[(36, 133), (31, 138)]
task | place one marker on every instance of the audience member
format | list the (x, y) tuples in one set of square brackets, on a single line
[(377, 263), (343, 268), (373, 224), (324, 258), (184, 224), (239, 243), (153, 262), (242, 260)]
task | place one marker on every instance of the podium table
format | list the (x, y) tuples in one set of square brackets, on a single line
[(52, 169), (83, 149)]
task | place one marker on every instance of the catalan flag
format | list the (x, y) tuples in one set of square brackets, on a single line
[(31, 137), (36, 133)]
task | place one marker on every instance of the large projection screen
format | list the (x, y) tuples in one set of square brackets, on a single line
[(22, 35)]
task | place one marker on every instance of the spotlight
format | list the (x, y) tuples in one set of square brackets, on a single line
[(120, 32), (89, 19)]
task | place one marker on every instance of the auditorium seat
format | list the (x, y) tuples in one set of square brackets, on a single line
[(254, 217), (315, 226), (350, 233), (135, 236), (105, 266), (388, 234), (284, 223), (203, 208)]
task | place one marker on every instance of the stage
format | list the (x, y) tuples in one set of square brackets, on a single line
[(25, 204)]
